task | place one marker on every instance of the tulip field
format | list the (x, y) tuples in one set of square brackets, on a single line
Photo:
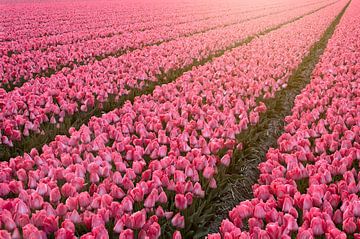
[(179, 119)]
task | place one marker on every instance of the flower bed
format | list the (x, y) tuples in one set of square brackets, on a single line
[(139, 168), (50, 100), (308, 186)]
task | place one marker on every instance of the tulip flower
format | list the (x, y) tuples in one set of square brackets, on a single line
[(178, 221)]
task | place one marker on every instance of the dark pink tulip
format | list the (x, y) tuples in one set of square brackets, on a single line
[(68, 225), (180, 201), (349, 225)]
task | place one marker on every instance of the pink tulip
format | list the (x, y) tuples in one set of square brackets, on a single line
[(259, 211), (273, 230), (208, 172), (67, 190), (50, 224), (305, 234), (64, 234), (75, 217), (68, 225), (178, 221), (225, 160), (177, 235), (214, 236), (138, 219), (291, 223), (126, 234), (9, 223), (5, 234), (356, 206), (151, 199), (180, 201), (31, 232), (84, 199), (4, 189)]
